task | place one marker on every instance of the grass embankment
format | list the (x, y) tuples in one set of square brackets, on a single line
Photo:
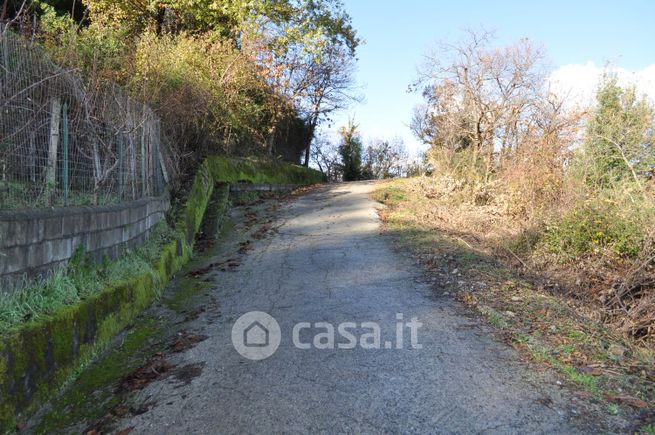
[(81, 279), (51, 327), (510, 275)]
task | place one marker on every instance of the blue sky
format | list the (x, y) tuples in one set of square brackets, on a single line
[(398, 34)]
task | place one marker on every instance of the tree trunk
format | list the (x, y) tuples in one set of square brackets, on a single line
[(306, 164), (310, 137), (271, 140), (490, 155), (3, 14), (477, 146)]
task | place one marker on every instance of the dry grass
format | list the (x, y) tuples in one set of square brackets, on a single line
[(601, 256), (479, 249)]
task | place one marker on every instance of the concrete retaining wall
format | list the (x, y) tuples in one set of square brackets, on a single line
[(36, 242)]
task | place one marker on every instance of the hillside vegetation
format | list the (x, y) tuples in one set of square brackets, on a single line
[(234, 78), (538, 212), (559, 189)]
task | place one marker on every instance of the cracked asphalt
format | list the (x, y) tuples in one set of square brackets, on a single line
[(325, 260)]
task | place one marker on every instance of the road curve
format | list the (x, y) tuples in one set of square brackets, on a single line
[(327, 261)]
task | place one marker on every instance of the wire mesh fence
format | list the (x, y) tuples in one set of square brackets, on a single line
[(62, 143)]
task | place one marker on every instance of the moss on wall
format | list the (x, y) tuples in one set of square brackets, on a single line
[(37, 359), (260, 171)]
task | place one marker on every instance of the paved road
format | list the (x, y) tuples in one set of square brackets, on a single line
[(328, 262)]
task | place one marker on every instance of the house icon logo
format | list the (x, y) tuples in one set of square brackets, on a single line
[(256, 335)]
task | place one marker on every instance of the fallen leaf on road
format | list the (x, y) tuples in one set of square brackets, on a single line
[(582, 394), (629, 400), (152, 370), (245, 247), (468, 298), (187, 373), (194, 314), (186, 341)]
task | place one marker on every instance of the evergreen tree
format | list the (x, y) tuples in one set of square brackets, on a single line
[(351, 152), (619, 142)]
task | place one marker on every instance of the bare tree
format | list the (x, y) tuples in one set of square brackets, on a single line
[(325, 155), (385, 158), (309, 64), (482, 103), (330, 88)]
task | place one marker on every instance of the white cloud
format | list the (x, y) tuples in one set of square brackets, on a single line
[(578, 82)]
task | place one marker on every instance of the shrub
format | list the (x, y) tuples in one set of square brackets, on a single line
[(212, 97), (600, 225)]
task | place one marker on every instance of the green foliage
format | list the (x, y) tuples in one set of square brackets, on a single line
[(350, 150), (20, 194), (619, 142), (45, 297), (611, 166), (587, 381), (647, 429), (613, 409), (44, 352), (237, 77), (98, 51), (209, 95), (389, 195), (599, 226), (298, 18), (168, 16), (494, 317)]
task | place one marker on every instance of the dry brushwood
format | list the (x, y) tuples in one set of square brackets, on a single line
[(632, 301)]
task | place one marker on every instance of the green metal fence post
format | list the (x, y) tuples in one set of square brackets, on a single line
[(65, 143)]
